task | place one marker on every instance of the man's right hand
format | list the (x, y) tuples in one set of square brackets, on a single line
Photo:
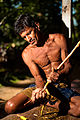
[(54, 76), (38, 93)]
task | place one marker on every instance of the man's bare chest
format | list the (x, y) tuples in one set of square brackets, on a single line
[(45, 55)]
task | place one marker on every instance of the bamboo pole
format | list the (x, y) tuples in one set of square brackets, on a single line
[(49, 81), (77, 45)]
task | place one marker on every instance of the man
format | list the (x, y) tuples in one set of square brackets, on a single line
[(43, 55)]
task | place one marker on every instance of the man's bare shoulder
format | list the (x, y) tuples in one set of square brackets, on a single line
[(26, 52), (58, 38)]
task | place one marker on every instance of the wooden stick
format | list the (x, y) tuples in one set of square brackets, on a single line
[(49, 81), (28, 102), (68, 55), (22, 117)]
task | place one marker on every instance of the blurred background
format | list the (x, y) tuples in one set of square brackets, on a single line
[(48, 13)]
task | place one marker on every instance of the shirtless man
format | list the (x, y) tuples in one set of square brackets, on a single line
[(43, 55)]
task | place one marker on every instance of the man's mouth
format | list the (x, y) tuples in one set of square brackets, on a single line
[(32, 41)]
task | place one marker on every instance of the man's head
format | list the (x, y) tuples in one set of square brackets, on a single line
[(27, 28)]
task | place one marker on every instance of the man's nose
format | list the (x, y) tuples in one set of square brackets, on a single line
[(28, 38)]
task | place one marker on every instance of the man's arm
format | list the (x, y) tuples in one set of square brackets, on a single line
[(38, 92), (61, 42), (33, 68), (64, 52)]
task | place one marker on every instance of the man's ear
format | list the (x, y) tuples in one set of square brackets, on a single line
[(37, 26)]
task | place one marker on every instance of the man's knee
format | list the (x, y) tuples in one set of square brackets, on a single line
[(75, 110), (10, 107), (77, 113)]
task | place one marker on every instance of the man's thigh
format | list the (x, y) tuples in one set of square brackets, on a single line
[(75, 99)]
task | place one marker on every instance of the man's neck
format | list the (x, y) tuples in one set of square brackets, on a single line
[(42, 40)]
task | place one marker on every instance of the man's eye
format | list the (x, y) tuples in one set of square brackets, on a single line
[(24, 37), (29, 33)]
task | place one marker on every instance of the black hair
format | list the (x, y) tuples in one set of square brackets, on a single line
[(23, 21)]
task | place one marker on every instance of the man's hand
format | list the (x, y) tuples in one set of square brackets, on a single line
[(54, 76), (38, 93)]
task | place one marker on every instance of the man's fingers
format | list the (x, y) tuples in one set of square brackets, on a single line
[(43, 94), (33, 97), (38, 93)]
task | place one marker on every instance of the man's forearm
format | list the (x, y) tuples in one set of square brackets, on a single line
[(66, 69), (40, 82)]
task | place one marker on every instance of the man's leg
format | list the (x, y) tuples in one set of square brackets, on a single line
[(75, 106), (18, 101), (56, 105)]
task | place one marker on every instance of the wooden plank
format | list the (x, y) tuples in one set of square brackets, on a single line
[(66, 15)]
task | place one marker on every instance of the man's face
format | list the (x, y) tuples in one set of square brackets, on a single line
[(30, 35)]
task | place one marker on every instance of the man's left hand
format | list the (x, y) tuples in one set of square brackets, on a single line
[(38, 93)]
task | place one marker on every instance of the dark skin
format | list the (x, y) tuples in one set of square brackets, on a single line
[(46, 56)]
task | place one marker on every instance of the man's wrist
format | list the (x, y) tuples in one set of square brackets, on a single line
[(39, 83)]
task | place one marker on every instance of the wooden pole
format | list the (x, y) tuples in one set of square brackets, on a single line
[(48, 80), (66, 16), (78, 44)]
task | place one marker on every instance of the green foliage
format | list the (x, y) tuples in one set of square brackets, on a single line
[(11, 9), (76, 17), (48, 13)]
